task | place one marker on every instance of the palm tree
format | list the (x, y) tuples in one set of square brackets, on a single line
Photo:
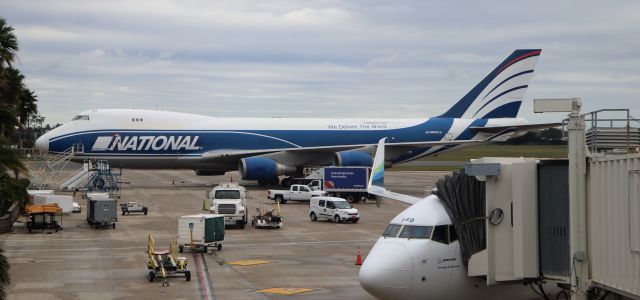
[(5, 278), (26, 106), (13, 87), (8, 44)]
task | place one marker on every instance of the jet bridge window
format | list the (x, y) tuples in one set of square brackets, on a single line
[(416, 232), (80, 117), (392, 230)]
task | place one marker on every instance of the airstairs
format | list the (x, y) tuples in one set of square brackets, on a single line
[(44, 174), (94, 176), (79, 178)]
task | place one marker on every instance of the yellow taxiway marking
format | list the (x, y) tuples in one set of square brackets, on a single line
[(248, 262), (285, 291)]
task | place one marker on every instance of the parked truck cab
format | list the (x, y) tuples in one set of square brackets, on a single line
[(333, 209), (229, 199)]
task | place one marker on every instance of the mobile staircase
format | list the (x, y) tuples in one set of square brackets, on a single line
[(44, 174), (94, 176)]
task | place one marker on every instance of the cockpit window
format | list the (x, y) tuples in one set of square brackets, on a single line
[(416, 232), (80, 117), (392, 230)]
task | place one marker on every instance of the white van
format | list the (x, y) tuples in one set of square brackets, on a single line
[(332, 208)]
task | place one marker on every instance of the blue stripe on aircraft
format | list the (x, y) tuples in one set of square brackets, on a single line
[(510, 77), (510, 109), (262, 139), (501, 94), (458, 109)]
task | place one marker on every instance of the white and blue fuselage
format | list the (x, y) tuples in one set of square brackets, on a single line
[(264, 148), (150, 139)]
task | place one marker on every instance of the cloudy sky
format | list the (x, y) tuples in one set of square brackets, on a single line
[(318, 58)]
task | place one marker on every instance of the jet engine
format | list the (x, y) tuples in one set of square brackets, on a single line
[(352, 158), (263, 169)]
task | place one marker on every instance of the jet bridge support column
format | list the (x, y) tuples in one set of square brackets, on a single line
[(578, 203)]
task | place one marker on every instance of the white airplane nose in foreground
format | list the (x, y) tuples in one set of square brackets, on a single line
[(387, 271), (42, 143)]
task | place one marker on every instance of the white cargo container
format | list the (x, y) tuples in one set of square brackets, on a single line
[(200, 231), (63, 201)]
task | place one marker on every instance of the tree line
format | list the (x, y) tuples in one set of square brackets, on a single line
[(18, 108)]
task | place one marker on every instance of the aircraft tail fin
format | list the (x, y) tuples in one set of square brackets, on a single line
[(376, 180), (500, 94), (377, 170)]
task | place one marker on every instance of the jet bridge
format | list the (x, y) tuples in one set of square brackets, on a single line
[(513, 219)]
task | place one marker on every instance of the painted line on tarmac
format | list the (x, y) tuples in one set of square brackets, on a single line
[(204, 282), (299, 243), (51, 240), (77, 249), (52, 245), (226, 245)]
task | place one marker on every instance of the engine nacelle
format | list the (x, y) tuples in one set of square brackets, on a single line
[(261, 168), (352, 159)]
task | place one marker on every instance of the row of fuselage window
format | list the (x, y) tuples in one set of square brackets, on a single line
[(445, 234)]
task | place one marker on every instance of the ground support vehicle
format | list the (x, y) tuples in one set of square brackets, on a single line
[(344, 182), (133, 207), (166, 263), (332, 209), (201, 231), (101, 210), (297, 192), (266, 217), (229, 199), (43, 217)]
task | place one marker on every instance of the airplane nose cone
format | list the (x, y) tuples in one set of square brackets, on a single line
[(386, 273), (42, 143)]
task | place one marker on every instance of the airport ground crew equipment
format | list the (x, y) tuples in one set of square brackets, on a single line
[(101, 210), (166, 263), (201, 231), (267, 216), (43, 217), (133, 207)]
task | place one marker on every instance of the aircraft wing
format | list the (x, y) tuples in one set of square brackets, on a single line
[(237, 154), (494, 129)]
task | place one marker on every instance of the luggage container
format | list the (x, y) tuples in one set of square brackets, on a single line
[(201, 231), (102, 210)]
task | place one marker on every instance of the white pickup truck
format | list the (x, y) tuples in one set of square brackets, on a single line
[(297, 192)]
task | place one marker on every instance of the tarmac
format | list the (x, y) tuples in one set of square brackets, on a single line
[(316, 260)]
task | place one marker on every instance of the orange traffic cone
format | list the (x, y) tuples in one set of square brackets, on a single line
[(359, 258)]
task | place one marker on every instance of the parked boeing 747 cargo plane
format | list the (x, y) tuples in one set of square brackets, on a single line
[(419, 257), (265, 148)]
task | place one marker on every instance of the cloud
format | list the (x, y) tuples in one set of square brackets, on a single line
[(316, 58)]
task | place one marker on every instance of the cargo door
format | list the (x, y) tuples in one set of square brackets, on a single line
[(214, 229)]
